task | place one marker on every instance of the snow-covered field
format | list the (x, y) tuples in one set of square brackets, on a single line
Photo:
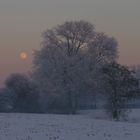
[(67, 127)]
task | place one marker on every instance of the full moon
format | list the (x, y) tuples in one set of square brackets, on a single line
[(23, 55)]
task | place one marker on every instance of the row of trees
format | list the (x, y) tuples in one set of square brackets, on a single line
[(74, 66)]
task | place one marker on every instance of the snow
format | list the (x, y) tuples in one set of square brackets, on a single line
[(67, 127)]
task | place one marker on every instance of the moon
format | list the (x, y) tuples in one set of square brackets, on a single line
[(23, 55)]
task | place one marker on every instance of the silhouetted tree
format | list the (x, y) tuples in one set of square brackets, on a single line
[(121, 85), (26, 93)]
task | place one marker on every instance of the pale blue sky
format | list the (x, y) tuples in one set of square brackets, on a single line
[(22, 22)]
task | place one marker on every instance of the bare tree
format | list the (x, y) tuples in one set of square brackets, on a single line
[(68, 63), (121, 85), (70, 36)]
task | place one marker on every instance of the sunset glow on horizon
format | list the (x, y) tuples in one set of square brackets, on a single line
[(22, 23)]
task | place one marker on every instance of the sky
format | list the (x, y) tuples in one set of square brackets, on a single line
[(23, 21)]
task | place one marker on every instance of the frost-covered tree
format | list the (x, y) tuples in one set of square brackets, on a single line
[(101, 50), (70, 37), (67, 66), (121, 85), (26, 99)]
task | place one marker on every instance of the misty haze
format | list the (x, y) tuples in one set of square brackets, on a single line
[(69, 70)]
